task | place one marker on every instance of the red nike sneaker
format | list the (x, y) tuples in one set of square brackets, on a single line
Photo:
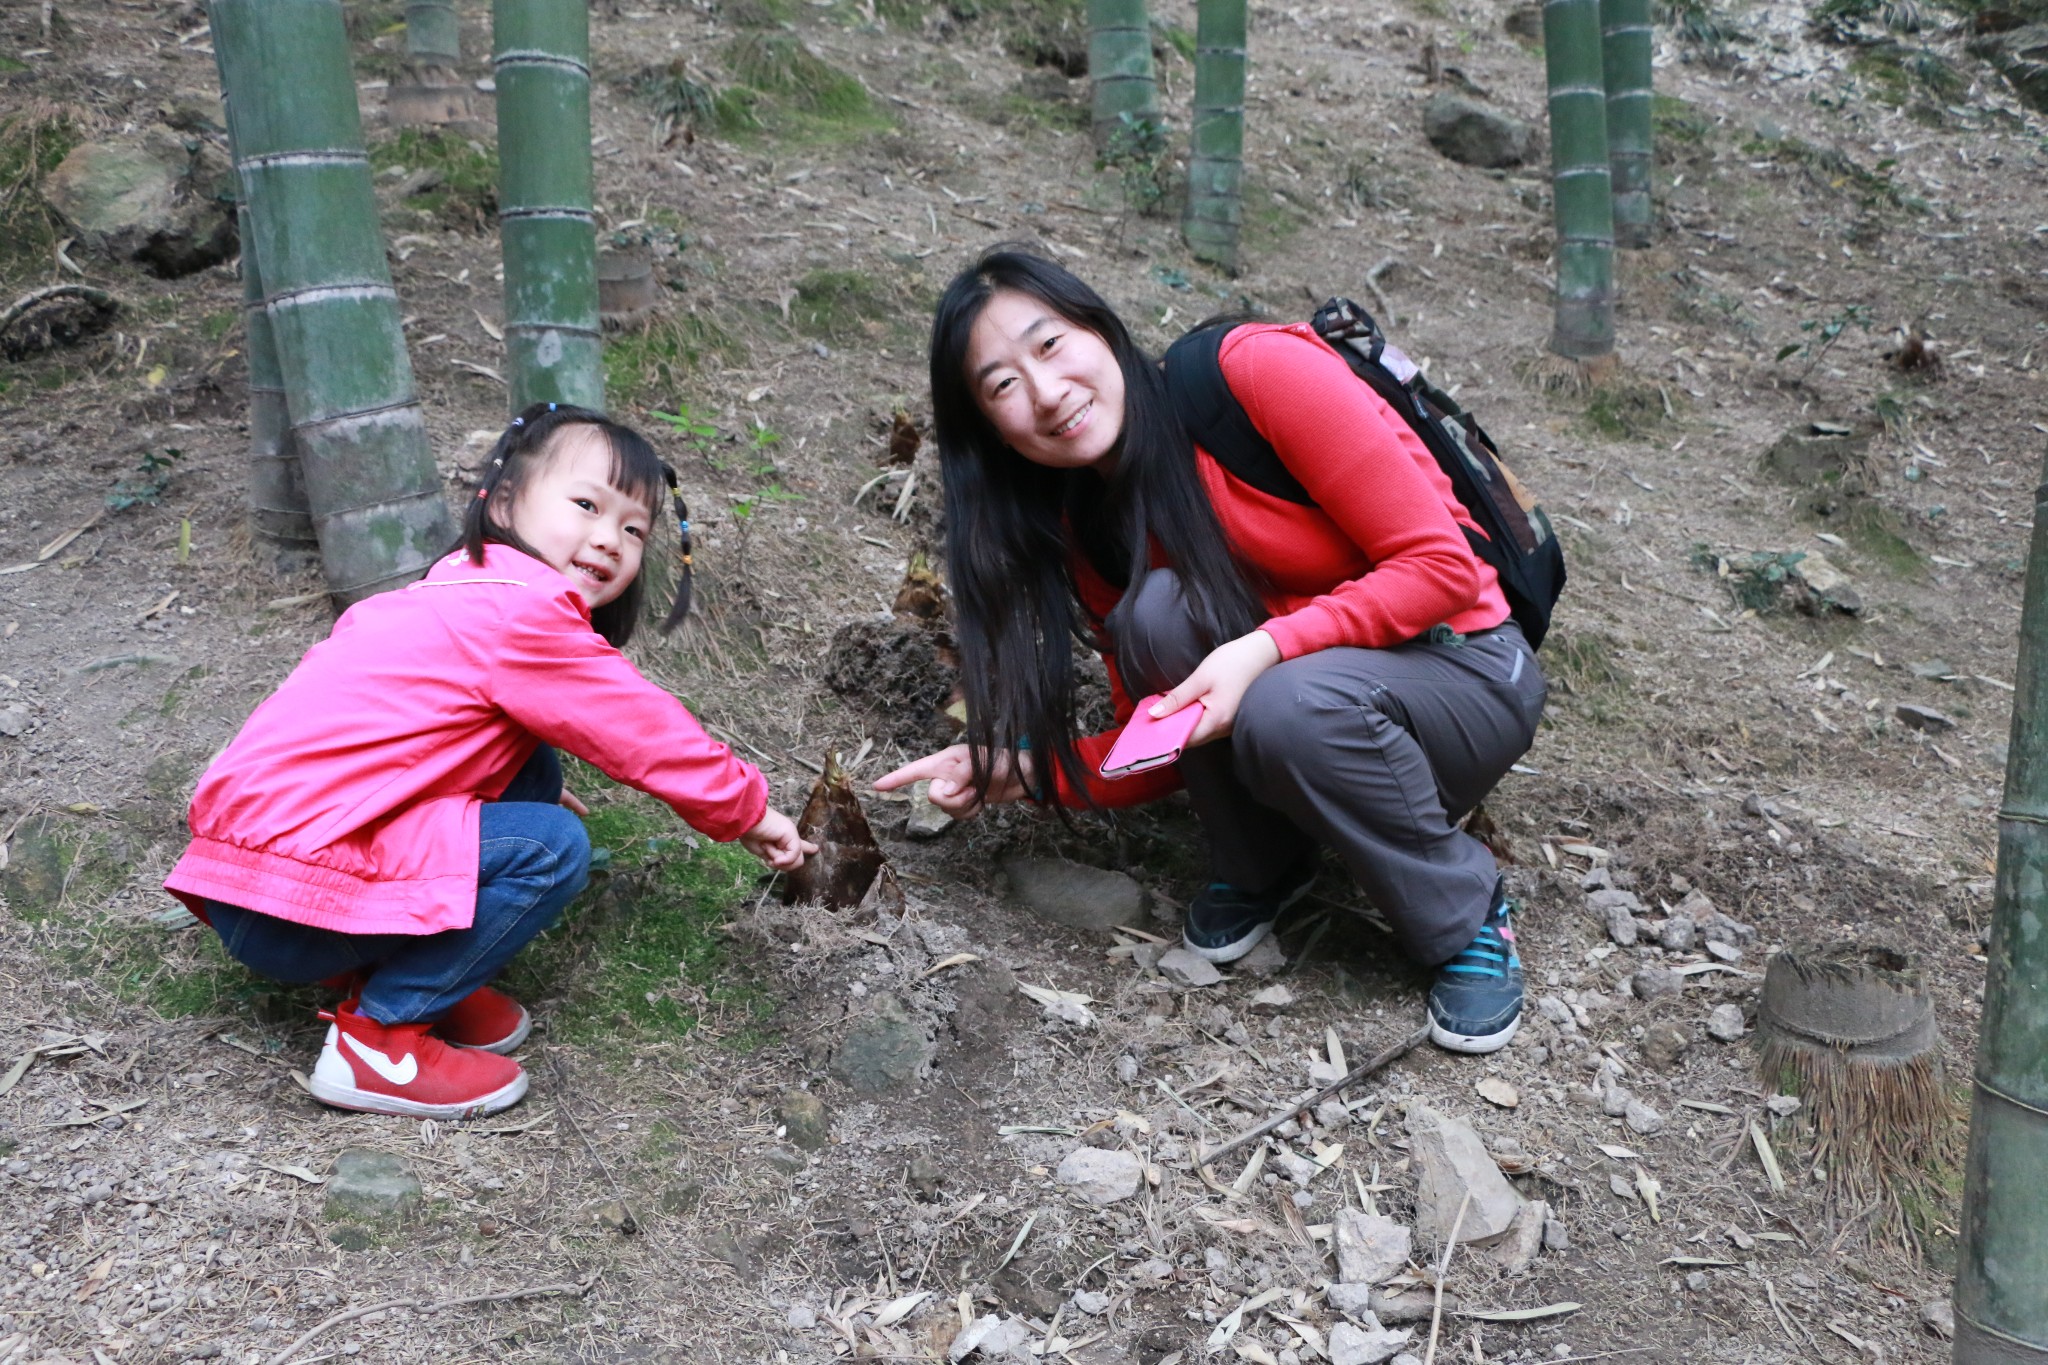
[(404, 1069), (488, 1020)]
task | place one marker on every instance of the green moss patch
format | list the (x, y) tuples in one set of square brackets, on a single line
[(31, 146), (649, 366), (835, 304), (640, 957), (783, 87), (456, 177)]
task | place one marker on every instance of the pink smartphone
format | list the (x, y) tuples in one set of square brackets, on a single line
[(1148, 743)]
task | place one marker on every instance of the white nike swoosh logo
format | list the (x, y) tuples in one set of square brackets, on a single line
[(397, 1073)]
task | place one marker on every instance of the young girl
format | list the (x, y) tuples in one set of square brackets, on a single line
[(1362, 682), (394, 814)]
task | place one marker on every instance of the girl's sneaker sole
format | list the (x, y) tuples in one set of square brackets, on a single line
[(370, 1102), (1459, 1042)]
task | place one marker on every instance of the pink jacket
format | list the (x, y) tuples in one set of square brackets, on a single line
[(349, 800)]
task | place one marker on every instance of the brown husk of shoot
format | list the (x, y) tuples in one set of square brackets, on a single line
[(1849, 1027), (848, 860)]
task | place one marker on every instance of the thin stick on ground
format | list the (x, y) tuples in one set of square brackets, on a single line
[(537, 1291), (1392, 1053), (1436, 1313)]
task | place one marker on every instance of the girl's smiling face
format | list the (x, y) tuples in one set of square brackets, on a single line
[(1051, 388), (572, 517)]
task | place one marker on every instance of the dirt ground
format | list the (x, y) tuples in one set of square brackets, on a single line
[(161, 1169)]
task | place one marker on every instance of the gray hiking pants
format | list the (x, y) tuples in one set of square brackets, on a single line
[(1371, 752)]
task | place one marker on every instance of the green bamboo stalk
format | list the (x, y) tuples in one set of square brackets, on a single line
[(1584, 321), (2001, 1308), (1121, 85), (432, 36), (541, 51), (371, 484), (1215, 214), (1625, 40), (277, 486)]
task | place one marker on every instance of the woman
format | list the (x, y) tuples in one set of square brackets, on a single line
[(1363, 685)]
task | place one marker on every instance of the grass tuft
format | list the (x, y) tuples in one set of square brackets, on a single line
[(466, 194), (649, 366)]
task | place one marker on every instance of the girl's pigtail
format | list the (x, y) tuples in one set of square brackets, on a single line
[(476, 517), (681, 608)]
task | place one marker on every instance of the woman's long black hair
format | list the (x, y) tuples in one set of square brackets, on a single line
[(1011, 526), (636, 471)]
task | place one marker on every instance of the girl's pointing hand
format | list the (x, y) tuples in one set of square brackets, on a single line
[(775, 842)]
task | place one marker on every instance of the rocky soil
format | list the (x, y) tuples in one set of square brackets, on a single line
[(967, 1122)]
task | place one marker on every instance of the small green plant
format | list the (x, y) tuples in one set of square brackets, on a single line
[(1822, 333), (1137, 151), (691, 428), (1757, 583), (145, 487), (656, 357), (1708, 36)]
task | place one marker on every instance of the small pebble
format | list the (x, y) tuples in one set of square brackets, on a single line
[(802, 1318)]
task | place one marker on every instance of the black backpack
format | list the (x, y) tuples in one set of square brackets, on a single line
[(1518, 541)]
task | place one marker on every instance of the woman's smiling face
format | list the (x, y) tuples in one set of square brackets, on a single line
[(1051, 388)]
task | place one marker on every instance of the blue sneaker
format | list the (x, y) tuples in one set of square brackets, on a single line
[(1224, 923), (1476, 1003)]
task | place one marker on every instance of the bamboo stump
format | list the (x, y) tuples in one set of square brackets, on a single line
[(627, 290), (1849, 1027)]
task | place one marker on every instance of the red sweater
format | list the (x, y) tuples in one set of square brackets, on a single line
[(1378, 561)]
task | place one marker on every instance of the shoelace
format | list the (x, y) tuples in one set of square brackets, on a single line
[(1491, 953)]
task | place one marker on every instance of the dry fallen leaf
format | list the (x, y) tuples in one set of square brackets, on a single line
[(1494, 1090), (1648, 1188)]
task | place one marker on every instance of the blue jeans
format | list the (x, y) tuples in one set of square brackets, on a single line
[(532, 859)]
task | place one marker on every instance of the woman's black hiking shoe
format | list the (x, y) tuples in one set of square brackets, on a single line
[(1476, 1003), (1224, 923)]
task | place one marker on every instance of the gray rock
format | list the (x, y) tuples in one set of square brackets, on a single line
[(1474, 135), (925, 820), (1354, 1300), (1271, 1000), (1092, 1302), (1615, 1100), (1939, 1317), (883, 1048), (1665, 1044), (1641, 1118), (1185, 969), (364, 1184), (1677, 934), (1826, 586), (1932, 670), (805, 1120), (1350, 1344), (1127, 1069), (1597, 878), (1332, 1114), (1611, 897), (1723, 952), (1074, 894), (1370, 1247), (1556, 1011), (1621, 926), (1263, 960), (1696, 1281), (33, 880), (787, 1160), (13, 720), (147, 196), (1409, 1305), (1725, 1023), (1556, 1237), (1923, 717), (1518, 1248), (1784, 1106), (802, 1317), (1101, 1176), (1452, 1162), (613, 1215), (1655, 983)]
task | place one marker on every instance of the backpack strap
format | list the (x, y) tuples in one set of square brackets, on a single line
[(1199, 393)]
